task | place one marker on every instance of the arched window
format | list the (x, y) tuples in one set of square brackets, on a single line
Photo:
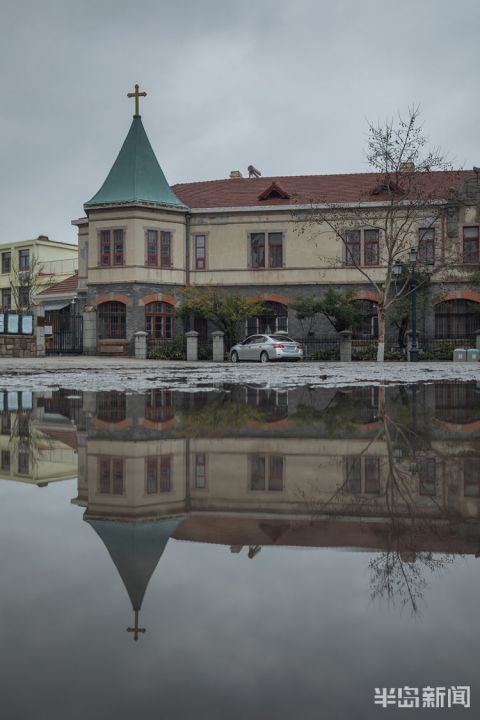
[(159, 319), (457, 319), (273, 318), (111, 320), (367, 325)]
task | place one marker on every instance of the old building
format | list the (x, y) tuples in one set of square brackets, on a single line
[(41, 261), (141, 241)]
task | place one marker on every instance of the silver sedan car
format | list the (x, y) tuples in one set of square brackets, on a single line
[(263, 348)]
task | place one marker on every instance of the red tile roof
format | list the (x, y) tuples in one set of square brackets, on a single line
[(303, 189), (69, 285)]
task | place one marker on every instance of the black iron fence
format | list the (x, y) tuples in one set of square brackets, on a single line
[(167, 348), (321, 349)]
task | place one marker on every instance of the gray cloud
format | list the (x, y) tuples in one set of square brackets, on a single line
[(285, 86)]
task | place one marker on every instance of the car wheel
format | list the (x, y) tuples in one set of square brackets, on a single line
[(263, 357), (234, 356)]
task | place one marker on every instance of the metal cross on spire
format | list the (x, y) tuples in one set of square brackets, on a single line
[(137, 95), (136, 629)]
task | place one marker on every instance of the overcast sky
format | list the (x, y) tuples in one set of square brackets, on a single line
[(287, 86)]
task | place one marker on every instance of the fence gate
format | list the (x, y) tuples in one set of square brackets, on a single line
[(66, 337)]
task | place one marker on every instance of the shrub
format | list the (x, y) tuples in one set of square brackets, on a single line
[(439, 351), (175, 349), (325, 355), (365, 352)]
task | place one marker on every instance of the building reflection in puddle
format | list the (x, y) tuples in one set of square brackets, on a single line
[(393, 471)]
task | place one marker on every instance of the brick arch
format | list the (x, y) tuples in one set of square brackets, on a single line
[(271, 297), (115, 297), (366, 295), (158, 297), (457, 295)]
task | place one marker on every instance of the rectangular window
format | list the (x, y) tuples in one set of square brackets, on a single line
[(5, 461), (24, 259), (152, 476), (152, 248), (165, 473), (352, 248), (275, 250), (165, 249), (6, 299), (471, 477), (200, 252), (354, 475), (426, 246), (427, 477), (275, 477), (370, 242), (470, 244), (118, 248), (200, 474), (23, 462), (24, 296), (105, 250), (6, 262), (111, 476), (6, 424), (266, 250), (257, 250), (372, 475), (257, 473)]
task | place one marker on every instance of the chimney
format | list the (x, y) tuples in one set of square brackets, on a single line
[(236, 174)]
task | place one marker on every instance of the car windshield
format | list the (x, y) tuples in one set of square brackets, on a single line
[(285, 338)]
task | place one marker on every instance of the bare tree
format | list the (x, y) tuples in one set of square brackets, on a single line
[(405, 194), (26, 283)]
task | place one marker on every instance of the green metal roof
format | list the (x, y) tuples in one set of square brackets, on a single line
[(136, 175), (135, 548)]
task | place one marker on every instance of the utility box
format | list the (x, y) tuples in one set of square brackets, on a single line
[(459, 355), (473, 355)]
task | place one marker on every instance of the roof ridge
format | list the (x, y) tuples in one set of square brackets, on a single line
[(312, 175)]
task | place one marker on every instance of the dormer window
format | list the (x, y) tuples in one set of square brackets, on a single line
[(275, 192)]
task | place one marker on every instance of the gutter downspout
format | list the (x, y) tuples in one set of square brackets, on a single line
[(187, 248)]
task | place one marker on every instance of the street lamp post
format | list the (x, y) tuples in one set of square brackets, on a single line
[(414, 350)]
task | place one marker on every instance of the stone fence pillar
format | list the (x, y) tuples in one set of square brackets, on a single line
[(89, 330), (192, 345), (218, 353), (477, 339), (140, 345), (39, 329), (345, 346)]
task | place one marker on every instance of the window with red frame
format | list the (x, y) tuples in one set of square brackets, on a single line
[(111, 320), (266, 250), (159, 248), (105, 249), (118, 248), (165, 249), (152, 248), (112, 247), (111, 476), (257, 250), (275, 250), (470, 244), (426, 246), (159, 320), (200, 252), (352, 248), (370, 247), (159, 405), (200, 472)]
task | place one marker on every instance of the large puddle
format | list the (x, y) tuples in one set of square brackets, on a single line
[(237, 553)]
